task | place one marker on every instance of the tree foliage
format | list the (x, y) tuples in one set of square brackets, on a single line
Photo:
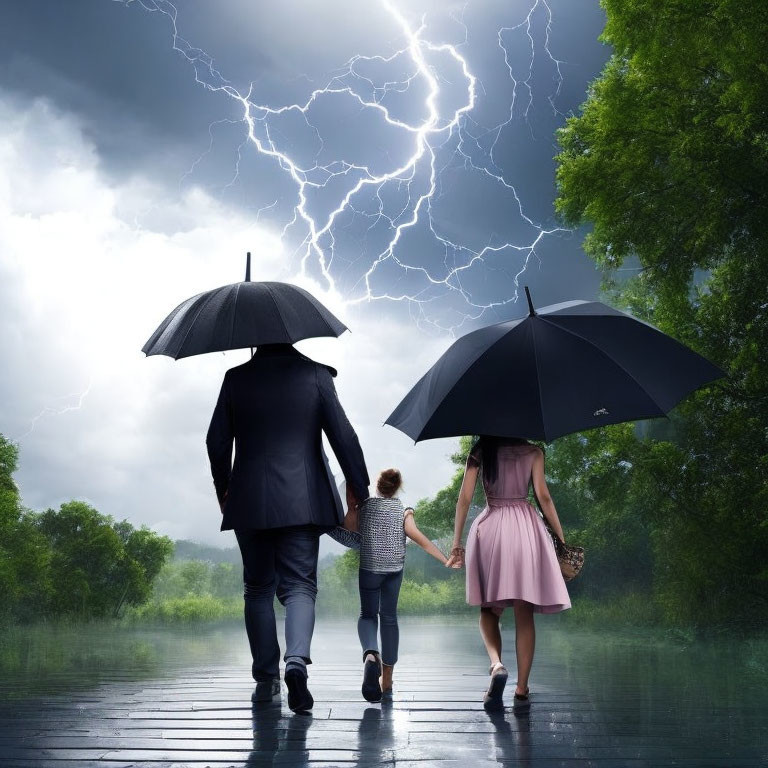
[(668, 160), (668, 164), (435, 516), (72, 561), (24, 553)]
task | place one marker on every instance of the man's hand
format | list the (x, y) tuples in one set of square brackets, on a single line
[(222, 503), (350, 519)]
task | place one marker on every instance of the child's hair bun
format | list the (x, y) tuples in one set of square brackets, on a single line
[(390, 481)]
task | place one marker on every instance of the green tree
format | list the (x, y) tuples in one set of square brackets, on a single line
[(591, 479), (9, 461), (667, 163), (10, 513), (668, 160), (88, 560), (195, 577), (226, 580), (145, 555), (24, 553), (435, 516), (71, 561), (97, 566)]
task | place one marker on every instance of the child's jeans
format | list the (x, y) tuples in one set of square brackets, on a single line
[(378, 597)]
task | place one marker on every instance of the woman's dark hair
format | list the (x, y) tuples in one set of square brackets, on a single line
[(390, 482), (485, 450)]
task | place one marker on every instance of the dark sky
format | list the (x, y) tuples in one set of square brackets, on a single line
[(111, 63), (128, 181)]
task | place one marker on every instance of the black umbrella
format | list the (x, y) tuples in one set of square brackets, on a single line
[(242, 315), (566, 368)]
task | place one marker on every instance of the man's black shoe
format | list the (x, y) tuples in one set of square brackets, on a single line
[(266, 690), (299, 697)]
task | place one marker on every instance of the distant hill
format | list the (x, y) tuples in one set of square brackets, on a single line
[(191, 550), (419, 566)]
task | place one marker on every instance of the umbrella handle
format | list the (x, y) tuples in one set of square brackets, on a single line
[(248, 275), (531, 310)]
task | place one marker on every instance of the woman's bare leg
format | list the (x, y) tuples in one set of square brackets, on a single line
[(489, 629), (525, 643)]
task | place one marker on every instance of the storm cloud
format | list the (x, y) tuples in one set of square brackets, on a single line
[(127, 186)]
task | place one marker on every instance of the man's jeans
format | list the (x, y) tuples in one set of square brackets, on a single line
[(378, 597), (282, 562)]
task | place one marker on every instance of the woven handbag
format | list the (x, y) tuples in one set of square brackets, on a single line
[(570, 558)]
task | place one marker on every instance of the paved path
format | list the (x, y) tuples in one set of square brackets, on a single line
[(203, 716)]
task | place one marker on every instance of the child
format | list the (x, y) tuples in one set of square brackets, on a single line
[(384, 523)]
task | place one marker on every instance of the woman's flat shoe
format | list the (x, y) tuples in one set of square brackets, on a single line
[(521, 702), (371, 686), (493, 699)]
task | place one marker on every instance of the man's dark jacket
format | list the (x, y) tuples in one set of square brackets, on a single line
[(275, 408)]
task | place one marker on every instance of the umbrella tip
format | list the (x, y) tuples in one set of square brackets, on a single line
[(531, 310), (247, 266)]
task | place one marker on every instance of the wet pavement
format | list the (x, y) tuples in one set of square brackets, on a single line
[(183, 699)]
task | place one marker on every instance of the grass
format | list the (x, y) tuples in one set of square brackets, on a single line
[(340, 598), (187, 610), (621, 611)]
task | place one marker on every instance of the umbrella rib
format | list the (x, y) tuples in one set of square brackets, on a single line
[(463, 373), (320, 316), (234, 316), (327, 324), (538, 380), (197, 314), (279, 312), (317, 311), (610, 357), (154, 339)]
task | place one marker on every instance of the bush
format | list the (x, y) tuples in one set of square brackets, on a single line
[(442, 597), (185, 610)]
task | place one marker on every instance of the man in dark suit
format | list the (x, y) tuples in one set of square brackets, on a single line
[(280, 496)]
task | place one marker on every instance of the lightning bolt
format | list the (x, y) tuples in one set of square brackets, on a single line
[(406, 195), (51, 410)]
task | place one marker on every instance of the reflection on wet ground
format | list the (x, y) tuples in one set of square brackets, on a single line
[(146, 698)]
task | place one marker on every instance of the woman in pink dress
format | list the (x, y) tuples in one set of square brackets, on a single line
[(510, 556)]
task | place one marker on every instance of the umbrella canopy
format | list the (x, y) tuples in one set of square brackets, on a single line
[(566, 368), (241, 315)]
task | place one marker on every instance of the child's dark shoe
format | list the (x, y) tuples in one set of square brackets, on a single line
[(371, 671)]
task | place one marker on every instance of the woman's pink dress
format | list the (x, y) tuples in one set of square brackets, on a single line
[(510, 555)]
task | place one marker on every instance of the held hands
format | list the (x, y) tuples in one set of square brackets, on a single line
[(350, 519), (456, 560)]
